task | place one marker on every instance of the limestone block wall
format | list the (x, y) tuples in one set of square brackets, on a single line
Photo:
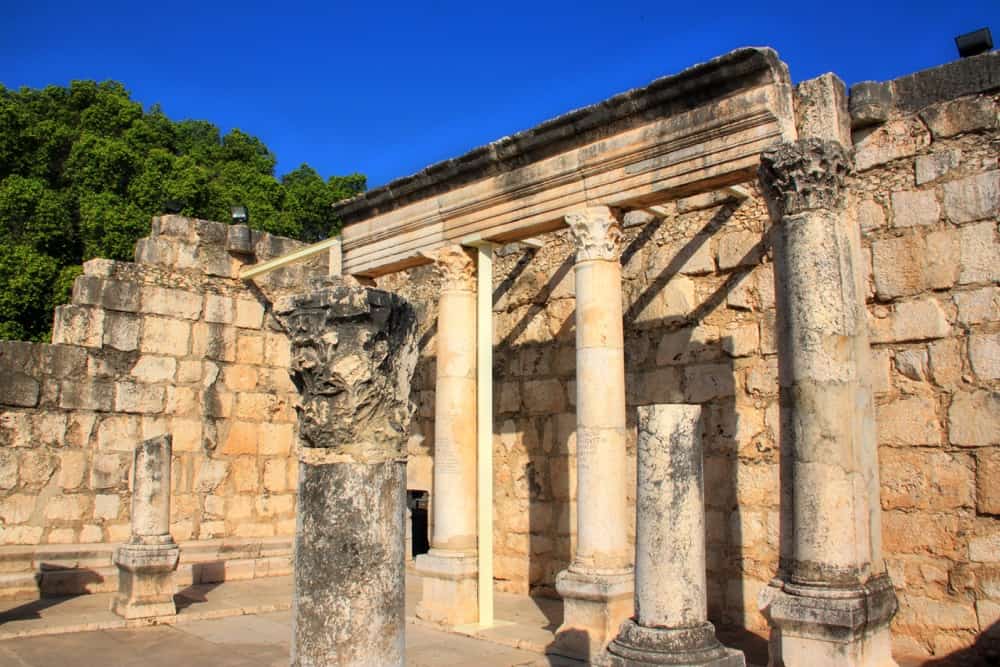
[(173, 343), (928, 198), (699, 324)]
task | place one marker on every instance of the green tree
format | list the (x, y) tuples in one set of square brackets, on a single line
[(83, 168)]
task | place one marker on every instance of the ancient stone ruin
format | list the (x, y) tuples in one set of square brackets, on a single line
[(745, 340)]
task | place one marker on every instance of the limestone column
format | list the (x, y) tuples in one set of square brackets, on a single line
[(353, 356), (449, 569), (597, 587), (670, 625), (146, 564), (831, 601)]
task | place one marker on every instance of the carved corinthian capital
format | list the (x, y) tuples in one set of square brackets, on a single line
[(457, 268), (353, 355), (596, 233), (805, 175)]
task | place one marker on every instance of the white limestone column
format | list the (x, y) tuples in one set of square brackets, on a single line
[(831, 601), (147, 562), (449, 569), (597, 586), (670, 624)]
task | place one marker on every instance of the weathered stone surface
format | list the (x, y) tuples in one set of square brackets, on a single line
[(909, 421), (958, 116), (892, 141), (353, 357), (358, 395), (671, 603), (932, 167), (913, 208), (805, 175), (980, 253), (924, 319), (974, 419), (871, 215), (972, 198), (926, 479), (978, 306), (984, 355), (908, 265), (988, 480)]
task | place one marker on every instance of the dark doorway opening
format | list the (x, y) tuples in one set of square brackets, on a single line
[(417, 502)]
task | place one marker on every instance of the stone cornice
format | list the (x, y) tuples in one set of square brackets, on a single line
[(692, 132)]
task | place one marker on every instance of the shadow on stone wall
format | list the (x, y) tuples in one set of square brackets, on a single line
[(985, 652)]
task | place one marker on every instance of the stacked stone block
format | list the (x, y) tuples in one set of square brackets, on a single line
[(172, 344)]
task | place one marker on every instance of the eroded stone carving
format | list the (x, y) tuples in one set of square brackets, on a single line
[(353, 354), (457, 268), (805, 175), (596, 233)]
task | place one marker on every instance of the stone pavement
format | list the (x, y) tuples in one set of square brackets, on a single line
[(248, 624)]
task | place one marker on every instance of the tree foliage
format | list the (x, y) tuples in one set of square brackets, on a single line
[(84, 168)]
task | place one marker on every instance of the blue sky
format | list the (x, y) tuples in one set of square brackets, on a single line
[(388, 88)]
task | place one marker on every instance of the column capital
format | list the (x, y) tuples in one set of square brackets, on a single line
[(805, 175), (353, 355), (457, 268), (596, 232)]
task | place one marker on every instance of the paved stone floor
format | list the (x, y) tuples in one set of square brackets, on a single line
[(248, 624), (236, 641)]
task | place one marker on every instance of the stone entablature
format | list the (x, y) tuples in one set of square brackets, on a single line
[(690, 132), (170, 344)]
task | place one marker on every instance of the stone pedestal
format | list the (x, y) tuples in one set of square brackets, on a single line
[(597, 587), (670, 625), (831, 601), (353, 355), (449, 570), (147, 563)]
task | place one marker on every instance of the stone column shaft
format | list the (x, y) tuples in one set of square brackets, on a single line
[(353, 356), (449, 569), (146, 564), (835, 600), (597, 586), (670, 625)]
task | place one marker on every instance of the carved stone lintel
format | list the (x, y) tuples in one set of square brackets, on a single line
[(353, 355), (805, 175), (596, 232), (457, 268)]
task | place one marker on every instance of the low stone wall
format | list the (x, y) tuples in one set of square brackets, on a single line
[(173, 343), (699, 327)]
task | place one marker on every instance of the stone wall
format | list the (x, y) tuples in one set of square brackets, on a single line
[(173, 343), (699, 326)]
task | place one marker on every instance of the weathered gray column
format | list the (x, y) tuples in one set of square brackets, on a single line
[(831, 601), (146, 564), (449, 569), (670, 625), (353, 355), (597, 587)]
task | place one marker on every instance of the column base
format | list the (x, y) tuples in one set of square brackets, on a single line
[(638, 646), (595, 603), (450, 587), (146, 580), (830, 627)]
